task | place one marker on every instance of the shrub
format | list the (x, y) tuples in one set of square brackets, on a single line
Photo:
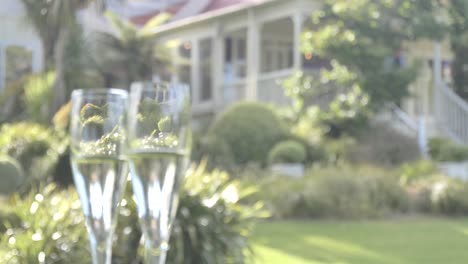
[(35, 147), (450, 198), (437, 145), (337, 192), (282, 195), (338, 150), (314, 151), (442, 149), (217, 153), (38, 96), (288, 151), (48, 224), (413, 171), (11, 175), (440, 194), (384, 146), (366, 192), (214, 222), (249, 130), (213, 225)]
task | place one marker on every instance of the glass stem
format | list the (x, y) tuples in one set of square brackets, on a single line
[(101, 251), (154, 254)]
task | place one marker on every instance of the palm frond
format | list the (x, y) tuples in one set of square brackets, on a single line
[(152, 24), (123, 27)]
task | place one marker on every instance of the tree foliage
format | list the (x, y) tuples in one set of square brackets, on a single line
[(56, 24), (368, 37), (458, 13), (129, 53)]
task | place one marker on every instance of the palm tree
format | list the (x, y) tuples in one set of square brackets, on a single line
[(54, 21), (129, 54)]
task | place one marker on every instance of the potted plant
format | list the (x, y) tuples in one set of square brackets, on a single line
[(287, 158)]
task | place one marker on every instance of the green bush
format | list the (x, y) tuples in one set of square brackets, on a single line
[(338, 150), (48, 224), (217, 153), (38, 96), (288, 151), (442, 149), (451, 198), (282, 195), (384, 146), (214, 222), (413, 171), (439, 194), (35, 147), (335, 192), (437, 146), (11, 175), (249, 130), (213, 225), (314, 151), (353, 192)]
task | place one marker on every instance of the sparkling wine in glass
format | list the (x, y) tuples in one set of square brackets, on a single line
[(99, 169), (158, 147)]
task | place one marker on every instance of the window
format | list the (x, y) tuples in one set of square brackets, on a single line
[(235, 49), (205, 63), (267, 64), (280, 60), (228, 50), (241, 46), (277, 54), (291, 56), (241, 70)]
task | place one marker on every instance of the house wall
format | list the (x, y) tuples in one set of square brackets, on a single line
[(15, 30), (261, 27)]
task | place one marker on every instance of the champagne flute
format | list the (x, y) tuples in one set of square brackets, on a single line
[(158, 147), (99, 170)]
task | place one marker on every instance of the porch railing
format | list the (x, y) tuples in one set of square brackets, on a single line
[(451, 113), (405, 123), (270, 89), (234, 91)]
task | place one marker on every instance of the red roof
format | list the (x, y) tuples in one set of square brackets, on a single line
[(219, 4), (214, 5), (141, 20)]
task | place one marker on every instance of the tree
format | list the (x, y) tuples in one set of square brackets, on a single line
[(458, 13), (129, 54), (54, 21), (368, 38)]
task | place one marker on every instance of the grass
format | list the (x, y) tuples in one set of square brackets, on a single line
[(408, 241)]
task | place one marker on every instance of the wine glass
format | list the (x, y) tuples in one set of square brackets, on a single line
[(158, 147), (99, 170)]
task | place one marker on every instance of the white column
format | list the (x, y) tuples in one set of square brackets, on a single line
[(437, 67), (217, 67), (298, 20), (253, 56), (175, 66), (424, 85), (2, 67), (195, 71)]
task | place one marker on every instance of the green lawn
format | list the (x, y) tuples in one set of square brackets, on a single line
[(420, 241)]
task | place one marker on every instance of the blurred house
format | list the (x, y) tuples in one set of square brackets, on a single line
[(20, 47), (239, 50)]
